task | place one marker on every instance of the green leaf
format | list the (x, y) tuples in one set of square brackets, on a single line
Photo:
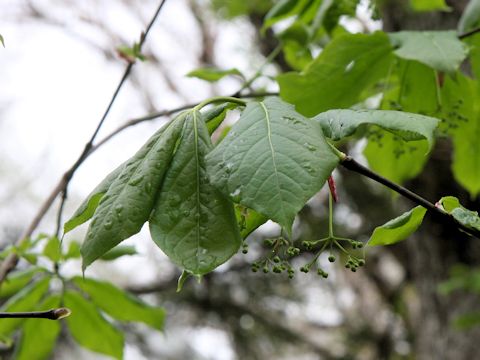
[(398, 229), (467, 321), (464, 216), (73, 251), (284, 9), (2, 41), (337, 124), (130, 198), (393, 158), (440, 50), (471, 17), (119, 251), (90, 329), (429, 5), (273, 160), (462, 118), (17, 281), (86, 210), (213, 74), (26, 300), (193, 223), (120, 304), (39, 335), (215, 116), (248, 220), (53, 249), (337, 77)]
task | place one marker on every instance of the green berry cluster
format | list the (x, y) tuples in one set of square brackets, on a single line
[(277, 260)]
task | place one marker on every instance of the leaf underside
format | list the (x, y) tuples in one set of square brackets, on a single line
[(193, 223), (273, 160)]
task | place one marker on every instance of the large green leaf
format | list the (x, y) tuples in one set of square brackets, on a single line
[(338, 76), (394, 158), (441, 50), (462, 118), (273, 160), (39, 335), (86, 210), (337, 124), (471, 17), (398, 229), (26, 300), (128, 202), (90, 329), (119, 304), (193, 223)]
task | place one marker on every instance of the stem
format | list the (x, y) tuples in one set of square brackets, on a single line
[(330, 214), (54, 314), (216, 99), (468, 33), (352, 165)]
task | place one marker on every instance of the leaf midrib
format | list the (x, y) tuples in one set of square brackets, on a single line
[(270, 143)]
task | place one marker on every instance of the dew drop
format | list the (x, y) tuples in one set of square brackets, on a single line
[(108, 225), (136, 180), (310, 146)]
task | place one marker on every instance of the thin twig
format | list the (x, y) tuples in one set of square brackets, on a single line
[(54, 314), (12, 259), (469, 33), (350, 164)]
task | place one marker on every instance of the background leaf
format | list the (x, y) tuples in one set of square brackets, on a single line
[(470, 17), (26, 300), (213, 74), (273, 160), (192, 222), (52, 249), (16, 281), (398, 229), (337, 124), (119, 304), (337, 77), (429, 5), (119, 251), (90, 329), (39, 335), (129, 200), (441, 50)]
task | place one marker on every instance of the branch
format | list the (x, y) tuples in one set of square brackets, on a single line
[(54, 314), (12, 259), (469, 33), (350, 164)]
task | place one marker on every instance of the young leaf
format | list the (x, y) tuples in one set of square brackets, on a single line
[(471, 16), (282, 10), (192, 222), (273, 160), (338, 76), (17, 281), (214, 117), (52, 249), (90, 329), (337, 124), (73, 251), (441, 50), (129, 200), (25, 300), (398, 229), (119, 251), (119, 304), (464, 216), (86, 210), (212, 74), (38, 335)]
